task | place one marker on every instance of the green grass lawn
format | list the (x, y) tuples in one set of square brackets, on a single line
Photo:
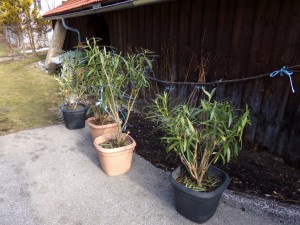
[(28, 96)]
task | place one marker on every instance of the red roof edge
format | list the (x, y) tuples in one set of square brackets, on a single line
[(71, 5)]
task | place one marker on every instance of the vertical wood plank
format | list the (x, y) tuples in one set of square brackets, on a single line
[(115, 30), (141, 27), (156, 36), (183, 50), (149, 32), (196, 24), (223, 43), (266, 19), (293, 150), (120, 31), (124, 24), (241, 37), (164, 26), (135, 27), (110, 21), (209, 29), (184, 53), (224, 37), (285, 119), (174, 40), (275, 101), (129, 28)]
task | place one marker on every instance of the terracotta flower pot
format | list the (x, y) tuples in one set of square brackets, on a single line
[(115, 161), (98, 130)]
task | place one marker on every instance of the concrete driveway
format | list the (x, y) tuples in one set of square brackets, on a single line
[(52, 176)]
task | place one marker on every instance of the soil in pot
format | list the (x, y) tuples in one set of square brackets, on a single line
[(114, 161), (74, 118), (110, 144), (210, 181)]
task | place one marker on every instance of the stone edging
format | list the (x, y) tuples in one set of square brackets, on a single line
[(287, 214)]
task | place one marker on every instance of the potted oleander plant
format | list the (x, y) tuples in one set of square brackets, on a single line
[(100, 60), (72, 88), (200, 136), (116, 81)]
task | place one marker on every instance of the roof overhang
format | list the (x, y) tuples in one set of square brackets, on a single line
[(107, 8)]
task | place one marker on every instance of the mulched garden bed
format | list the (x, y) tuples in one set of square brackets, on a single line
[(254, 173)]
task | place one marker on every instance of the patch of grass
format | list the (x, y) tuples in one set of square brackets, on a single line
[(3, 51), (28, 96), (6, 49)]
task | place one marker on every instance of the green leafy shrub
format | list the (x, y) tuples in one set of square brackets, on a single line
[(71, 79), (115, 81), (202, 135)]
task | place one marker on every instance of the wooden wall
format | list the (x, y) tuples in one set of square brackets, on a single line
[(89, 27), (243, 38)]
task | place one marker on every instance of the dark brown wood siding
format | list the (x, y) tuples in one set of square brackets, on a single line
[(89, 27), (244, 38)]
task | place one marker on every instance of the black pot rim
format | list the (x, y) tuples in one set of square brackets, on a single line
[(63, 109), (198, 194)]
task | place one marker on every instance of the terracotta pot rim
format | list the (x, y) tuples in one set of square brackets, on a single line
[(106, 137), (113, 124)]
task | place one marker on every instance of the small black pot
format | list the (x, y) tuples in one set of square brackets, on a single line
[(75, 119), (197, 206)]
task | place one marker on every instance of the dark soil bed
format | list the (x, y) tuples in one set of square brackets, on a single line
[(254, 173)]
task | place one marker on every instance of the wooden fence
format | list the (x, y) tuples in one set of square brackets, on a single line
[(242, 38)]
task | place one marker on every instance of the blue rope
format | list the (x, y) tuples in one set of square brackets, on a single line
[(198, 88), (169, 88), (284, 71), (123, 117), (100, 101)]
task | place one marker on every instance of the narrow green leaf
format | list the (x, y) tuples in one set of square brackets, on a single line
[(228, 154), (207, 93), (229, 119), (204, 106)]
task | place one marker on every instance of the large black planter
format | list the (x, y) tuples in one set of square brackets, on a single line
[(197, 206), (75, 119)]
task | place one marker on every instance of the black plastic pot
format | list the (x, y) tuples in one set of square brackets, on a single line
[(75, 119), (197, 206)]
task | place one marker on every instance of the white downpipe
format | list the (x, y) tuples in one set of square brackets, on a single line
[(71, 29)]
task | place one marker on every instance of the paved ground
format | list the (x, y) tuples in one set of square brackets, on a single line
[(9, 58), (52, 176), (5, 59)]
